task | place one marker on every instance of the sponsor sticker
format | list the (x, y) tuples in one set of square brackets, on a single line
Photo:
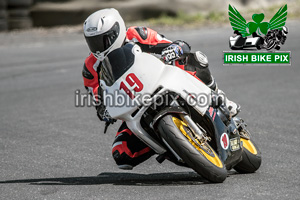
[(224, 140)]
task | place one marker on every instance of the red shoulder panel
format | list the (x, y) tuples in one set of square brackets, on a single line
[(93, 81), (152, 37)]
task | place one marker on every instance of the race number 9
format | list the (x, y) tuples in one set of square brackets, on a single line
[(132, 81)]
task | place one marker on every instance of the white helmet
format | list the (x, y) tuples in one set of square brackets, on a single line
[(285, 30), (104, 31)]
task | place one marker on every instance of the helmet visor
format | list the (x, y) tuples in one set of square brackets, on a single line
[(100, 43)]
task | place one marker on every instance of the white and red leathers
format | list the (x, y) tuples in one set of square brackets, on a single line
[(128, 151)]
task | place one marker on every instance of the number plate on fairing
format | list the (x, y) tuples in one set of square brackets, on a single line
[(235, 144)]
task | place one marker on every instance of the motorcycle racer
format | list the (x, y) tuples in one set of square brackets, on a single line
[(105, 32), (274, 38)]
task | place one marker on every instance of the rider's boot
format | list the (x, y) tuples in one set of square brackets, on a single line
[(233, 107), (200, 61)]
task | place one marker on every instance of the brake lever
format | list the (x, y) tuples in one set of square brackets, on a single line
[(106, 126), (108, 123)]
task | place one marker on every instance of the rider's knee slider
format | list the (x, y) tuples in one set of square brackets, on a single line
[(201, 58)]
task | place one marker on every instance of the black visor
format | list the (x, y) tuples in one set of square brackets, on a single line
[(102, 42)]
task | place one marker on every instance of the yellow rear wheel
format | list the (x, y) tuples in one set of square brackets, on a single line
[(247, 144), (251, 157)]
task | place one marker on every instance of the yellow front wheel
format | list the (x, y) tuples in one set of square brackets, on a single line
[(197, 155), (204, 148)]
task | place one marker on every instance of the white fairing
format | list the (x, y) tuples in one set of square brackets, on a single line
[(233, 39), (249, 41), (252, 40), (153, 73)]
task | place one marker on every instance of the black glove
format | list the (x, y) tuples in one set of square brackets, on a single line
[(103, 114), (176, 51), (171, 53)]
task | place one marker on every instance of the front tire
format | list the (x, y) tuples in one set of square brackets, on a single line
[(251, 157), (200, 157), (270, 45)]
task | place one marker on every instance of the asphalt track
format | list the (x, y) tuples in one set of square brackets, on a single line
[(50, 149)]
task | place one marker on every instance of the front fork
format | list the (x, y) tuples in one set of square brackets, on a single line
[(199, 132), (241, 127)]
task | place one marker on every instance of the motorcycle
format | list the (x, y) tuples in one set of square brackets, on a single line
[(169, 116), (238, 42)]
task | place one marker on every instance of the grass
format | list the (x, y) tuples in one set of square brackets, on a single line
[(183, 19)]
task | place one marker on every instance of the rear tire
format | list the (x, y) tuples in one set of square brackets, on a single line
[(259, 43), (258, 46), (251, 158), (195, 157)]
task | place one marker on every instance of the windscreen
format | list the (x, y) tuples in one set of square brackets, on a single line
[(116, 64)]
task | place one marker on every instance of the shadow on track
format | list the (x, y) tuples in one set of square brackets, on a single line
[(175, 178)]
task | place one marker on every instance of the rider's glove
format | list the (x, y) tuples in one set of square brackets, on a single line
[(171, 53), (103, 114)]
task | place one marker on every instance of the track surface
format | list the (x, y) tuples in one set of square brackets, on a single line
[(50, 149)]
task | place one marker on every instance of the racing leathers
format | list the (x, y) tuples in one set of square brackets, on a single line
[(128, 151)]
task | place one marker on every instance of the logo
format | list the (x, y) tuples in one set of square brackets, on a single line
[(258, 34), (91, 29), (239, 24), (224, 140)]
